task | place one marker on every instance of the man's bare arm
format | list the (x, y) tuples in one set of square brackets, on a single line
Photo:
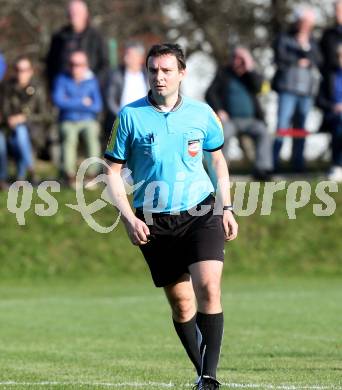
[(137, 230), (219, 175)]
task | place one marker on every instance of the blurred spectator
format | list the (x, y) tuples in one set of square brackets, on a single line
[(77, 96), (77, 35), (3, 148), (3, 67), (24, 111), (3, 161), (330, 101), (128, 82), (332, 37), (233, 96), (296, 80)]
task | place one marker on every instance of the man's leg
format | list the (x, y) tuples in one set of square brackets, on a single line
[(336, 143), (303, 108), (69, 141), (3, 160), (183, 304), (24, 151), (206, 279), (229, 131), (263, 156), (286, 108), (90, 134)]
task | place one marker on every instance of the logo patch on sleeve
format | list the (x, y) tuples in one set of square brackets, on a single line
[(194, 146)]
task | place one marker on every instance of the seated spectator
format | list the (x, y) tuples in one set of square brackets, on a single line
[(128, 82), (296, 80), (3, 66), (23, 106), (3, 149), (3, 161), (330, 101), (233, 96), (77, 96)]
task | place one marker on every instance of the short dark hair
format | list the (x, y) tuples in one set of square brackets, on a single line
[(168, 48)]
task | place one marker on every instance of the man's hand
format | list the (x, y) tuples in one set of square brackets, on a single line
[(15, 120), (87, 101), (230, 225), (338, 108), (304, 63), (223, 115), (137, 231)]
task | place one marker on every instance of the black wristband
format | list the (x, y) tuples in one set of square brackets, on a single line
[(229, 207)]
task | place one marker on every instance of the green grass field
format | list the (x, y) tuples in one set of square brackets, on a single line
[(77, 309), (101, 333)]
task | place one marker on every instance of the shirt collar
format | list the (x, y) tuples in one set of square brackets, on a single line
[(156, 107)]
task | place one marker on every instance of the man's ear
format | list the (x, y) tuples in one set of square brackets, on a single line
[(183, 73)]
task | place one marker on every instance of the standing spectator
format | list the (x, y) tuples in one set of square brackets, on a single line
[(233, 96), (24, 109), (296, 80), (78, 98), (77, 35), (330, 101), (331, 39), (128, 82)]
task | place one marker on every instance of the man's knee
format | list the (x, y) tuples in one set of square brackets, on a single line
[(209, 294), (260, 129), (183, 308)]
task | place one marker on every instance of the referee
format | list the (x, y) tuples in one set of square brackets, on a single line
[(179, 224)]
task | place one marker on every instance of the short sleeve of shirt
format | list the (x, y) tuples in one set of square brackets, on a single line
[(214, 139), (118, 145)]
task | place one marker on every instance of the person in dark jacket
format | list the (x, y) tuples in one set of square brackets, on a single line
[(77, 35), (24, 110), (331, 39), (233, 96), (330, 101), (77, 96), (296, 80)]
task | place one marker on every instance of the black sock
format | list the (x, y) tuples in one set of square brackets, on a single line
[(211, 328), (188, 333)]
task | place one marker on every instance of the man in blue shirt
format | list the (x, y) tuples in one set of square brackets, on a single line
[(179, 225), (78, 98)]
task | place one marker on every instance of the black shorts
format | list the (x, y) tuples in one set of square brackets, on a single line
[(180, 240)]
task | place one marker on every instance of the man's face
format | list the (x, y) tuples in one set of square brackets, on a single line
[(238, 59), (338, 12), (307, 22), (133, 59), (164, 75), (24, 71), (78, 16), (78, 66)]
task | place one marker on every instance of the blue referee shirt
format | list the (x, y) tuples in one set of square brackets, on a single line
[(164, 151)]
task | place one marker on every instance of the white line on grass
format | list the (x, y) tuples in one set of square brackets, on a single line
[(170, 385)]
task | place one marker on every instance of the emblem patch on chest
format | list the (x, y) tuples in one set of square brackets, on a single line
[(194, 146)]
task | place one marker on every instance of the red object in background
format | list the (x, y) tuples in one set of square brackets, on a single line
[(294, 133)]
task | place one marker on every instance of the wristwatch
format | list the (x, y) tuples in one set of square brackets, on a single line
[(228, 207)]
